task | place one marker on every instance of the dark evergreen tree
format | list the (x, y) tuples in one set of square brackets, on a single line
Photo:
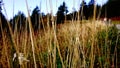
[(84, 10), (91, 8), (87, 10), (72, 16), (18, 21), (62, 11), (111, 9), (35, 18), (3, 20)]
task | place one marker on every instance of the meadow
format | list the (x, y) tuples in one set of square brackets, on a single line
[(72, 44)]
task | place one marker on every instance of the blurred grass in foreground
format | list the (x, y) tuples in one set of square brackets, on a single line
[(71, 45)]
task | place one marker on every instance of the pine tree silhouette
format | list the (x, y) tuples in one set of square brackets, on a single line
[(62, 11)]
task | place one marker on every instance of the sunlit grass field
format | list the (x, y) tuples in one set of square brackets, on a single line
[(68, 45), (72, 44)]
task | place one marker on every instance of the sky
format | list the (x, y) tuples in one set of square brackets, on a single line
[(47, 6)]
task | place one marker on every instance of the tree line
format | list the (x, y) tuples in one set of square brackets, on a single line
[(39, 19)]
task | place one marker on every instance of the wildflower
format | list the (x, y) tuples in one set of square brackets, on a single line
[(20, 57), (77, 39)]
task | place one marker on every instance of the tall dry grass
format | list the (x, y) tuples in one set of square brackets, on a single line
[(68, 45)]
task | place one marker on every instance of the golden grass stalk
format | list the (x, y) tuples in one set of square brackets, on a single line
[(5, 45), (94, 12), (75, 43), (31, 35)]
